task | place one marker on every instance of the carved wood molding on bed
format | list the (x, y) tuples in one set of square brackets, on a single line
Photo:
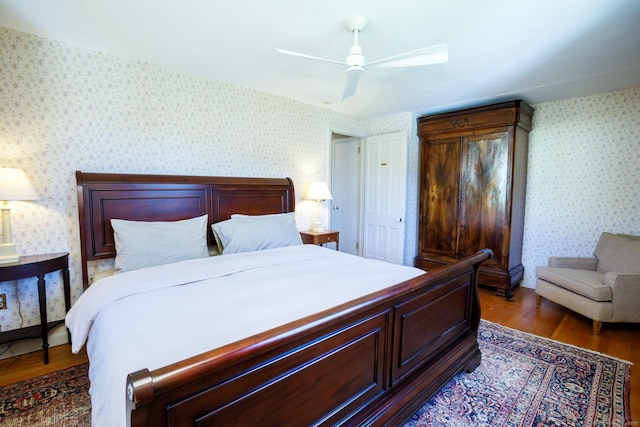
[(373, 360), (102, 197)]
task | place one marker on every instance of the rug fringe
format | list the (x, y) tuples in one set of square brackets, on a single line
[(562, 343)]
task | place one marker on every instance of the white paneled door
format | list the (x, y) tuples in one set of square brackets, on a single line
[(385, 183)]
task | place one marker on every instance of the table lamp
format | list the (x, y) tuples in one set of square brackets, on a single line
[(319, 192), (14, 185)]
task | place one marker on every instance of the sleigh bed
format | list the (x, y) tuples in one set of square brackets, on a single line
[(370, 359)]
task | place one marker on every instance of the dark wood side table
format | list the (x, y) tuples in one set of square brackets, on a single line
[(320, 237), (37, 266)]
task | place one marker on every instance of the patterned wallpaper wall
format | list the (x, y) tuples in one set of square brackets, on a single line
[(64, 109), (583, 176)]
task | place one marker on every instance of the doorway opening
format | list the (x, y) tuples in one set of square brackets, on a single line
[(368, 184), (346, 181)]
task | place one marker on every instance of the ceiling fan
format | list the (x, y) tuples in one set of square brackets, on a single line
[(356, 65)]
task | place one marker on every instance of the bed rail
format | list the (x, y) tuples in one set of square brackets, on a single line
[(371, 361)]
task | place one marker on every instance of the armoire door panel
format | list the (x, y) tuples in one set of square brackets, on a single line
[(439, 210), (484, 192), (472, 189)]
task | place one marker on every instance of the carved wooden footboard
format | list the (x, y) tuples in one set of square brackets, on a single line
[(373, 361)]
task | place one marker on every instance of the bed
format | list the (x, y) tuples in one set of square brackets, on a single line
[(339, 340)]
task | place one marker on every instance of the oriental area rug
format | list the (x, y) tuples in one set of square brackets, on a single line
[(524, 380)]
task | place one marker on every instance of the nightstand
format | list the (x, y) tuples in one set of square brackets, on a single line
[(320, 237), (37, 266)]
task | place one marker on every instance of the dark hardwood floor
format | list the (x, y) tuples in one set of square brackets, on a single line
[(520, 312)]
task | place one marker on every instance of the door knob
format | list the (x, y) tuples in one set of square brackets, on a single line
[(398, 219), (335, 208)]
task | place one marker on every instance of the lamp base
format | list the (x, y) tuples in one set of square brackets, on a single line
[(316, 228), (8, 253)]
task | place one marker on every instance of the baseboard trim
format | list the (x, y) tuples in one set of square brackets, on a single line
[(57, 336)]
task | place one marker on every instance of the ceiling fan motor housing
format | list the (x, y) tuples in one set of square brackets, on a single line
[(355, 57)]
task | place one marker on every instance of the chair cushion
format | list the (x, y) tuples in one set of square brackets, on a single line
[(618, 253), (587, 283)]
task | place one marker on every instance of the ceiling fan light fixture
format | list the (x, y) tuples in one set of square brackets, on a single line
[(355, 70)]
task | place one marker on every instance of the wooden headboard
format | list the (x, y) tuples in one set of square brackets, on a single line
[(103, 197)]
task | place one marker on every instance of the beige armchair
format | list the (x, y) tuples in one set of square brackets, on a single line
[(604, 288)]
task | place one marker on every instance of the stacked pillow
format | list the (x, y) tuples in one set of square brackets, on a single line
[(243, 233), (142, 244)]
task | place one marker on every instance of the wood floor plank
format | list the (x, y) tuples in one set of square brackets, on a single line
[(31, 365)]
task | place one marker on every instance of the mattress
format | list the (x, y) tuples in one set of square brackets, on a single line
[(152, 317)]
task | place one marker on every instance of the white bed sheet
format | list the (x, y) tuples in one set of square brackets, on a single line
[(184, 309)]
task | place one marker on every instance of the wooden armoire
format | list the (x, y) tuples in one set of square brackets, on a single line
[(472, 189)]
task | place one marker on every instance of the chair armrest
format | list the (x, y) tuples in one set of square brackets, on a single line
[(625, 288), (578, 263)]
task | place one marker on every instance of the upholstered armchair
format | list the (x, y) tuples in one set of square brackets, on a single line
[(604, 288)]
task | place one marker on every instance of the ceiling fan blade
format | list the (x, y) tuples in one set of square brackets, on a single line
[(350, 86), (436, 54), (304, 55)]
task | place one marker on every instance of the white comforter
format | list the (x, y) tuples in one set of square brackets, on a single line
[(183, 309)]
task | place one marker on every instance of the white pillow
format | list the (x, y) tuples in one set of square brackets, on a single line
[(142, 244), (266, 217), (244, 233)]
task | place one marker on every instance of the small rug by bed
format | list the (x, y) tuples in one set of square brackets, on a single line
[(524, 380), (57, 399)]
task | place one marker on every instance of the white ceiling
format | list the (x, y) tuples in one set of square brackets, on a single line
[(539, 50)]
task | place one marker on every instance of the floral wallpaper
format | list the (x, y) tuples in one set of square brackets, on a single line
[(64, 109), (583, 175)]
